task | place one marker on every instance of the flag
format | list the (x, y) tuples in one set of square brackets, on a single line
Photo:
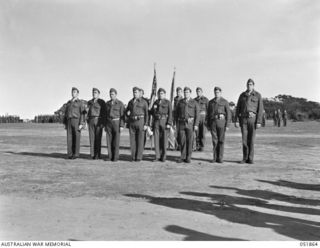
[(154, 87), (172, 142), (172, 88)]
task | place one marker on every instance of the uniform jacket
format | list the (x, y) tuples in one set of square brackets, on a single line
[(138, 108), (97, 109), (162, 108), (203, 103), (115, 110), (176, 100), (250, 103), (185, 110), (216, 107), (75, 109)]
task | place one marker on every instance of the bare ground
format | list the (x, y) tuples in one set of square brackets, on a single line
[(43, 196)]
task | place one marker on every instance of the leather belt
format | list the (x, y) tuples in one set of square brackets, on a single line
[(188, 120), (136, 117), (113, 119), (249, 114), (161, 117), (219, 117), (203, 112)]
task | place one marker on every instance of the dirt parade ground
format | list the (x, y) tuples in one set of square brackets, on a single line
[(44, 196)]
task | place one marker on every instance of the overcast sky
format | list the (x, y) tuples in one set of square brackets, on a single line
[(46, 47)]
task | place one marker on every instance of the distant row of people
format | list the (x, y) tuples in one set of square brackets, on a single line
[(279, 116)]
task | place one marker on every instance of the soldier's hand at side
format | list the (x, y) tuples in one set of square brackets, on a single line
[(196, 128), (227, 128), (258, 125), (121, 129), (168, 126), (145, 127), (236, 124), (80, 127)]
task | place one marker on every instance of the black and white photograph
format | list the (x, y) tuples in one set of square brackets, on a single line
[(172, 120)]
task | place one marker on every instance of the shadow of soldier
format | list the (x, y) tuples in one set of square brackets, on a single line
[(304, 186), (291, 227), (221, 199), (48, 155), (192, 235), (269, 195)]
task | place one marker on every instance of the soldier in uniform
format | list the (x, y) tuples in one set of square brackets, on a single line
[(147, 101), (263, 118), (275, 118), (137, 112), (279, 117), (187, 119), (249, 113), (75, 122), (233, 111), (114, 124), (161, 112), (96, 122), (176, 99), (201, 133), (218, 120), (285, 118)]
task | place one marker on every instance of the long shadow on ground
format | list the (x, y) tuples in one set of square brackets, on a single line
[(269, 195), (221, 200), (193, 235), (315, 187), (291, 227)]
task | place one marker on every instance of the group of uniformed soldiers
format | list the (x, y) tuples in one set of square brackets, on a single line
[(188, 117), (278, 116)]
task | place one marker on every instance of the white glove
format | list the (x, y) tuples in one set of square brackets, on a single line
[(145, 127), (196, 128), (258, 125), (121, 129), (236, 124)]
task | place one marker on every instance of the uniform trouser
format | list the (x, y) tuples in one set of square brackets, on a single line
[(201, 133), (279, 122), (160, 138), (248, 130), (73, 137), (186, 140), (95, 134), (136, 138), (178, 136), (284, 122), (218, 129), (113, 139)]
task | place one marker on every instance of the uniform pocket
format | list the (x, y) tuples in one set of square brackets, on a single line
[(221, 108)]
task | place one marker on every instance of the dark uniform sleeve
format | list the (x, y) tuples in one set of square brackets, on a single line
[(238, 109), (228, 113), (83, 113), (197, 114), (209, 110), (259, 110), (146, 113), (169, 120), (122, 115), (103, 114)]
